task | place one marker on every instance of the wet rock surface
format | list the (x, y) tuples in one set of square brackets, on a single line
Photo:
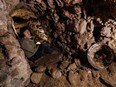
[(73, 26)]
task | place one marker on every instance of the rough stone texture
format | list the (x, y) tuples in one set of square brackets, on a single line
[(74, 25), (3, 24), (55, 73), (14, 69), (36, 77), (40, 69)]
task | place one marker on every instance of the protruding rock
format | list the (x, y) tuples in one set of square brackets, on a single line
[(36, 77), (55, 73), (40, 69), (72, 67), (64, 64), (72, 77)]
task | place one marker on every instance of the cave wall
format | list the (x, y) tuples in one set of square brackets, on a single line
[(14, 68), (77, 24), (74, 25)]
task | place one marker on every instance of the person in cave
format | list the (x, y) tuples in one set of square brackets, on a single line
[(32, 51)]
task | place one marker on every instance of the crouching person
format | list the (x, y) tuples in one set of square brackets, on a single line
[(28, 44)]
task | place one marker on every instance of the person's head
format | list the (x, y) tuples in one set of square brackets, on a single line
[(25, 32)]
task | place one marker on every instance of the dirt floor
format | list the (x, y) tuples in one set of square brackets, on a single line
[(65, 73)]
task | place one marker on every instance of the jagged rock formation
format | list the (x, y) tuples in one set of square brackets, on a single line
[(73, 25), (76, 24), (14, 68)]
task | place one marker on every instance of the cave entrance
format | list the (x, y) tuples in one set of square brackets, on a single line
[(22, 18)]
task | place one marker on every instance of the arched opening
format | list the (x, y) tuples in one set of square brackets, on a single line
[(22, 18)]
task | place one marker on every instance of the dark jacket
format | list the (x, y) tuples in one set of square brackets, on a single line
[(29, 46)]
